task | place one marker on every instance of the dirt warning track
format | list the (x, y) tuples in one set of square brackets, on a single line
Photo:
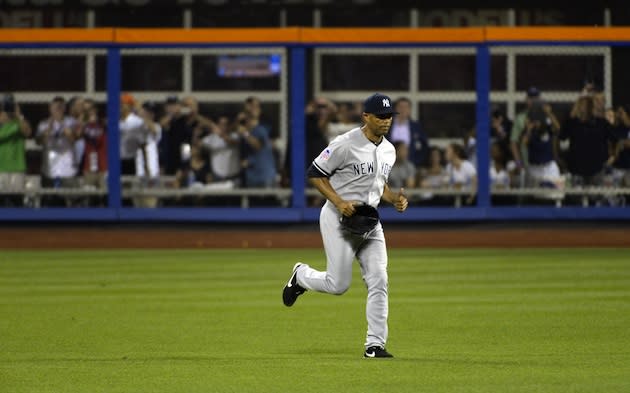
[(66, 237)]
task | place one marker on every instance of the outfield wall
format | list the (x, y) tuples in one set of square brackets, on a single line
[(296, 41)]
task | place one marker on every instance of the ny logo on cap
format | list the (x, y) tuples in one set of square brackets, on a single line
[(386, 103)]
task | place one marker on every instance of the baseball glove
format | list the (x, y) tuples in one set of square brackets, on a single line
[(363, 220)]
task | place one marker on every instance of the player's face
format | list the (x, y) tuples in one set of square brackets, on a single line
[(379, 125)]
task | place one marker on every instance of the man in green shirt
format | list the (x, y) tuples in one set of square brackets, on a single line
[(520, 123), (13, 132)]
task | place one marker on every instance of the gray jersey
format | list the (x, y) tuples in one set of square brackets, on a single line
[(357, 168)]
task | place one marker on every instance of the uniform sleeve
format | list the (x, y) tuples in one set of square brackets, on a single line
[(331, 158)]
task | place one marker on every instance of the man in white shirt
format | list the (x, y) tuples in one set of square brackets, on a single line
[(131, 128), (57, 135), (224, 152), (147, 156)]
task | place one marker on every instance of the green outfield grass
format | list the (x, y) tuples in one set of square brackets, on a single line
[(213, 321)]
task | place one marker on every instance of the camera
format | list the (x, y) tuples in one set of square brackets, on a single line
[(8, 103)]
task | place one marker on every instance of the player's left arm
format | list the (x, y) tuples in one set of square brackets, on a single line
[(398, 199)]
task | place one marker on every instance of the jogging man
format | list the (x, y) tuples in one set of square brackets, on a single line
[(352, 174)]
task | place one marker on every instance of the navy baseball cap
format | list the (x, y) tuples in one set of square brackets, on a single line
[(379, 104), (533, 92)]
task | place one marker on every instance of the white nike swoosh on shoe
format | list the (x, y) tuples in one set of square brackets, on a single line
[(370, 354), (297, 265)]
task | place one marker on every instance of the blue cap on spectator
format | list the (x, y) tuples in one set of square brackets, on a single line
[(379, 104), (172, 100), (533, 92)]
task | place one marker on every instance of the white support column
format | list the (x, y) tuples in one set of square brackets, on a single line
[(413, 82), (89, 74), (284, 105), (511, 83), (608, 77), (283, 17), (607, 18), (187, 72), (317, 73), (187, 18), (317, 17), (414, 18), (511, 17), (90, 21)]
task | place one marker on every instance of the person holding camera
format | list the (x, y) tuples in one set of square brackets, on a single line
[(223, 146), (518, 129), (257, 160), (541, 130), (57, 135), (14, 130)]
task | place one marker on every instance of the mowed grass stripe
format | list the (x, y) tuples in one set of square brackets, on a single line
[(212, 321)]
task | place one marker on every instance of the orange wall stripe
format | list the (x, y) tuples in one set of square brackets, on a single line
[(197, 36), (391, 35), (315, 36), (558, 34), (70, 35)]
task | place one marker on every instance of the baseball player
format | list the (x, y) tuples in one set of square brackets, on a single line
[(352, 174)]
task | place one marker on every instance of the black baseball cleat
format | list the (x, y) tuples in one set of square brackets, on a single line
[(377, 352), (292, 290)]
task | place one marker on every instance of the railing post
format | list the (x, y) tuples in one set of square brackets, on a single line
[(483, 125), (113, 137), (297, 128)]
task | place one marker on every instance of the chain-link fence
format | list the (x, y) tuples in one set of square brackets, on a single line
[(212, 126)]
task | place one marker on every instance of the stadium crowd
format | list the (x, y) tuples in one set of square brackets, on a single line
[(171, 144)]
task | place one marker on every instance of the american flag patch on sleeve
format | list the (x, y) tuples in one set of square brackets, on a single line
[(325, 154)]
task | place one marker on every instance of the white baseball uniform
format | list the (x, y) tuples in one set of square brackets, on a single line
[(357, 170)]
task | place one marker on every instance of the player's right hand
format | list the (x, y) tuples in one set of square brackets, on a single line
[(346, 208)]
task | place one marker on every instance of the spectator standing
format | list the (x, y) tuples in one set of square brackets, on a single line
[(131, 130), (319, 114), (93, 132), (343, 121), (199, 124), (253, 108), (500, 129), (147, 157), (403, 172), (409, 131), (223, 145), (590, 137), (541, 130), (177, 136), (519, 152), (14, 130), (75, 110), (462, 174), (621, 148), (258, 161), (57, 135)]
